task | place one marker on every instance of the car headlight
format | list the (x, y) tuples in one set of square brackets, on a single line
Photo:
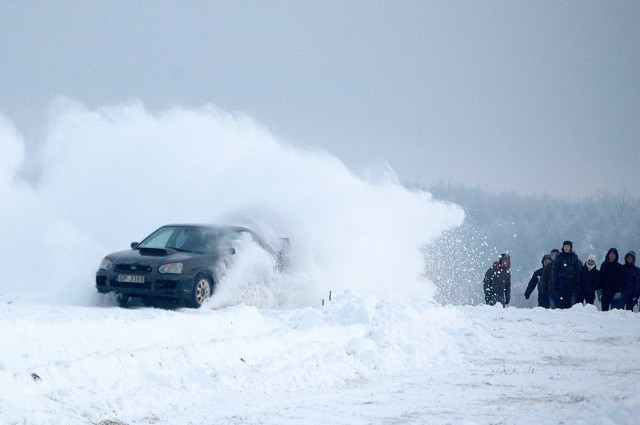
[(173, 268), (106, 264)]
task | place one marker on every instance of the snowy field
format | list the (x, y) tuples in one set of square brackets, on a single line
[(357, 360), (263, 349)]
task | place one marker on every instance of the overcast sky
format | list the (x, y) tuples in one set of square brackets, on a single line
[(529, 96)]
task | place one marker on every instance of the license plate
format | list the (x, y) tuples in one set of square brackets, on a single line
[(129, 278)]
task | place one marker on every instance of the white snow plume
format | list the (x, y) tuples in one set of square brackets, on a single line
[(456, 262), (112, 175)]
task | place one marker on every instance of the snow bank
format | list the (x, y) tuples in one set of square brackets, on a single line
[(113, 175), (88, 362), (358, 360)]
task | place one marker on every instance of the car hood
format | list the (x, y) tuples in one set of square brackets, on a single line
[(150, 257)]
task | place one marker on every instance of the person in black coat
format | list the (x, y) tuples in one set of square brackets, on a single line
[(610, 278), (564, 275), (543, 290), (545, 280), (636, 294), (629, 277), (497, 282), (588, 282), (487, 282)]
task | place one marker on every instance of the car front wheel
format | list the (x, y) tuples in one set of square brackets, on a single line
[(201, 291)]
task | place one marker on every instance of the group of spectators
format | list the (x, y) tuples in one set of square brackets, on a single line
[(564, 280)]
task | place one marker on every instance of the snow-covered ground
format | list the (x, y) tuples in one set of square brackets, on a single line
[(264, 350), (355, 360)]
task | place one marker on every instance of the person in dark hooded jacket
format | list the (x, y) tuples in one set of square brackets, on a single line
[(543, 290), (636, 294), (487, 282), (630, 274), (610, 278), (564, 275), (588, 282), (498, 282), (545, 280)]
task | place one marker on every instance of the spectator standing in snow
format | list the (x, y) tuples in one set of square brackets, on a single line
[(499, 282), (629, 277), (636, 294), (545, 280), (588, 282), (543, 291), (487, 281), (564, 275), (610, 278)]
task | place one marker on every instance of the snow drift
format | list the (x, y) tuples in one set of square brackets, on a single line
[(356, 361)]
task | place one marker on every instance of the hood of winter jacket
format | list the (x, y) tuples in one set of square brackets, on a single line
[(615, 251), (633, 258)]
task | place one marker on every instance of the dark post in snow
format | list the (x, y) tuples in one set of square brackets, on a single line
[(329, 298)]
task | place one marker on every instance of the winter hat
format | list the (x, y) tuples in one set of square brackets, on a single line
[(557, 251), (545, 257), (505, 257), (630, 253), (567, 243), (591, 266)]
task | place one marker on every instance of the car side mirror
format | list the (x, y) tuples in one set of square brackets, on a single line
[(134, 245)]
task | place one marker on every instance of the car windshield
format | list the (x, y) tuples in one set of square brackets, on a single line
[(202, 240)]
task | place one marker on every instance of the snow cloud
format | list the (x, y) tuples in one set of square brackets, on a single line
[(111, 176)]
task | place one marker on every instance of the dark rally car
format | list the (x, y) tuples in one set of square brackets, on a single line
[(179, 263)]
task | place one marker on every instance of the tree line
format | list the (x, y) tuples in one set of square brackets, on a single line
[(526, 227)]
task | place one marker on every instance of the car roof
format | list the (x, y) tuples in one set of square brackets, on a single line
[(211, 226)]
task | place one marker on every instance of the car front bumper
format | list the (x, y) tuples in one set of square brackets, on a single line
[(154, 285)]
